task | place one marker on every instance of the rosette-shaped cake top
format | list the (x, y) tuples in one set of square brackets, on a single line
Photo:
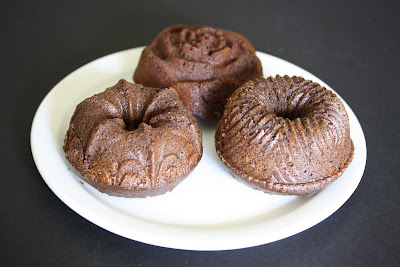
[(133, 141), (205, 65), (285, 135)]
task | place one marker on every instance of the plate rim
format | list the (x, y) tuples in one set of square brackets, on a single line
[(201, 242)]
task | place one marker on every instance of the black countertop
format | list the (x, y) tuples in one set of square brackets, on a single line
[(351, 45)]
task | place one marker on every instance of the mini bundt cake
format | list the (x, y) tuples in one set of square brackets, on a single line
[(205, 65), (284, 135), (133, 141)]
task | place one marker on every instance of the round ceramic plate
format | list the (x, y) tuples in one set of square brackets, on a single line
[(209, 210)]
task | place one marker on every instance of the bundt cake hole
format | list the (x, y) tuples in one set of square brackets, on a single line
[(293, 114), (288, 115), (131, 125)]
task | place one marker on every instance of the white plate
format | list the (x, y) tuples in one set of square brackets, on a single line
[(209, 210)]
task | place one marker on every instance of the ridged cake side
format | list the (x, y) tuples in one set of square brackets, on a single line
[(285, 135)]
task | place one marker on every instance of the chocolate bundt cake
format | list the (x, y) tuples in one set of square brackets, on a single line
[(133, 141), (284, 135), (205, 65)]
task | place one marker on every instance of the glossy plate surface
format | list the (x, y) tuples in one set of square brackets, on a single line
[(210, 210)]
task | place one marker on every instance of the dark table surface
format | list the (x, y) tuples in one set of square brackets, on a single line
[(351, 45)]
